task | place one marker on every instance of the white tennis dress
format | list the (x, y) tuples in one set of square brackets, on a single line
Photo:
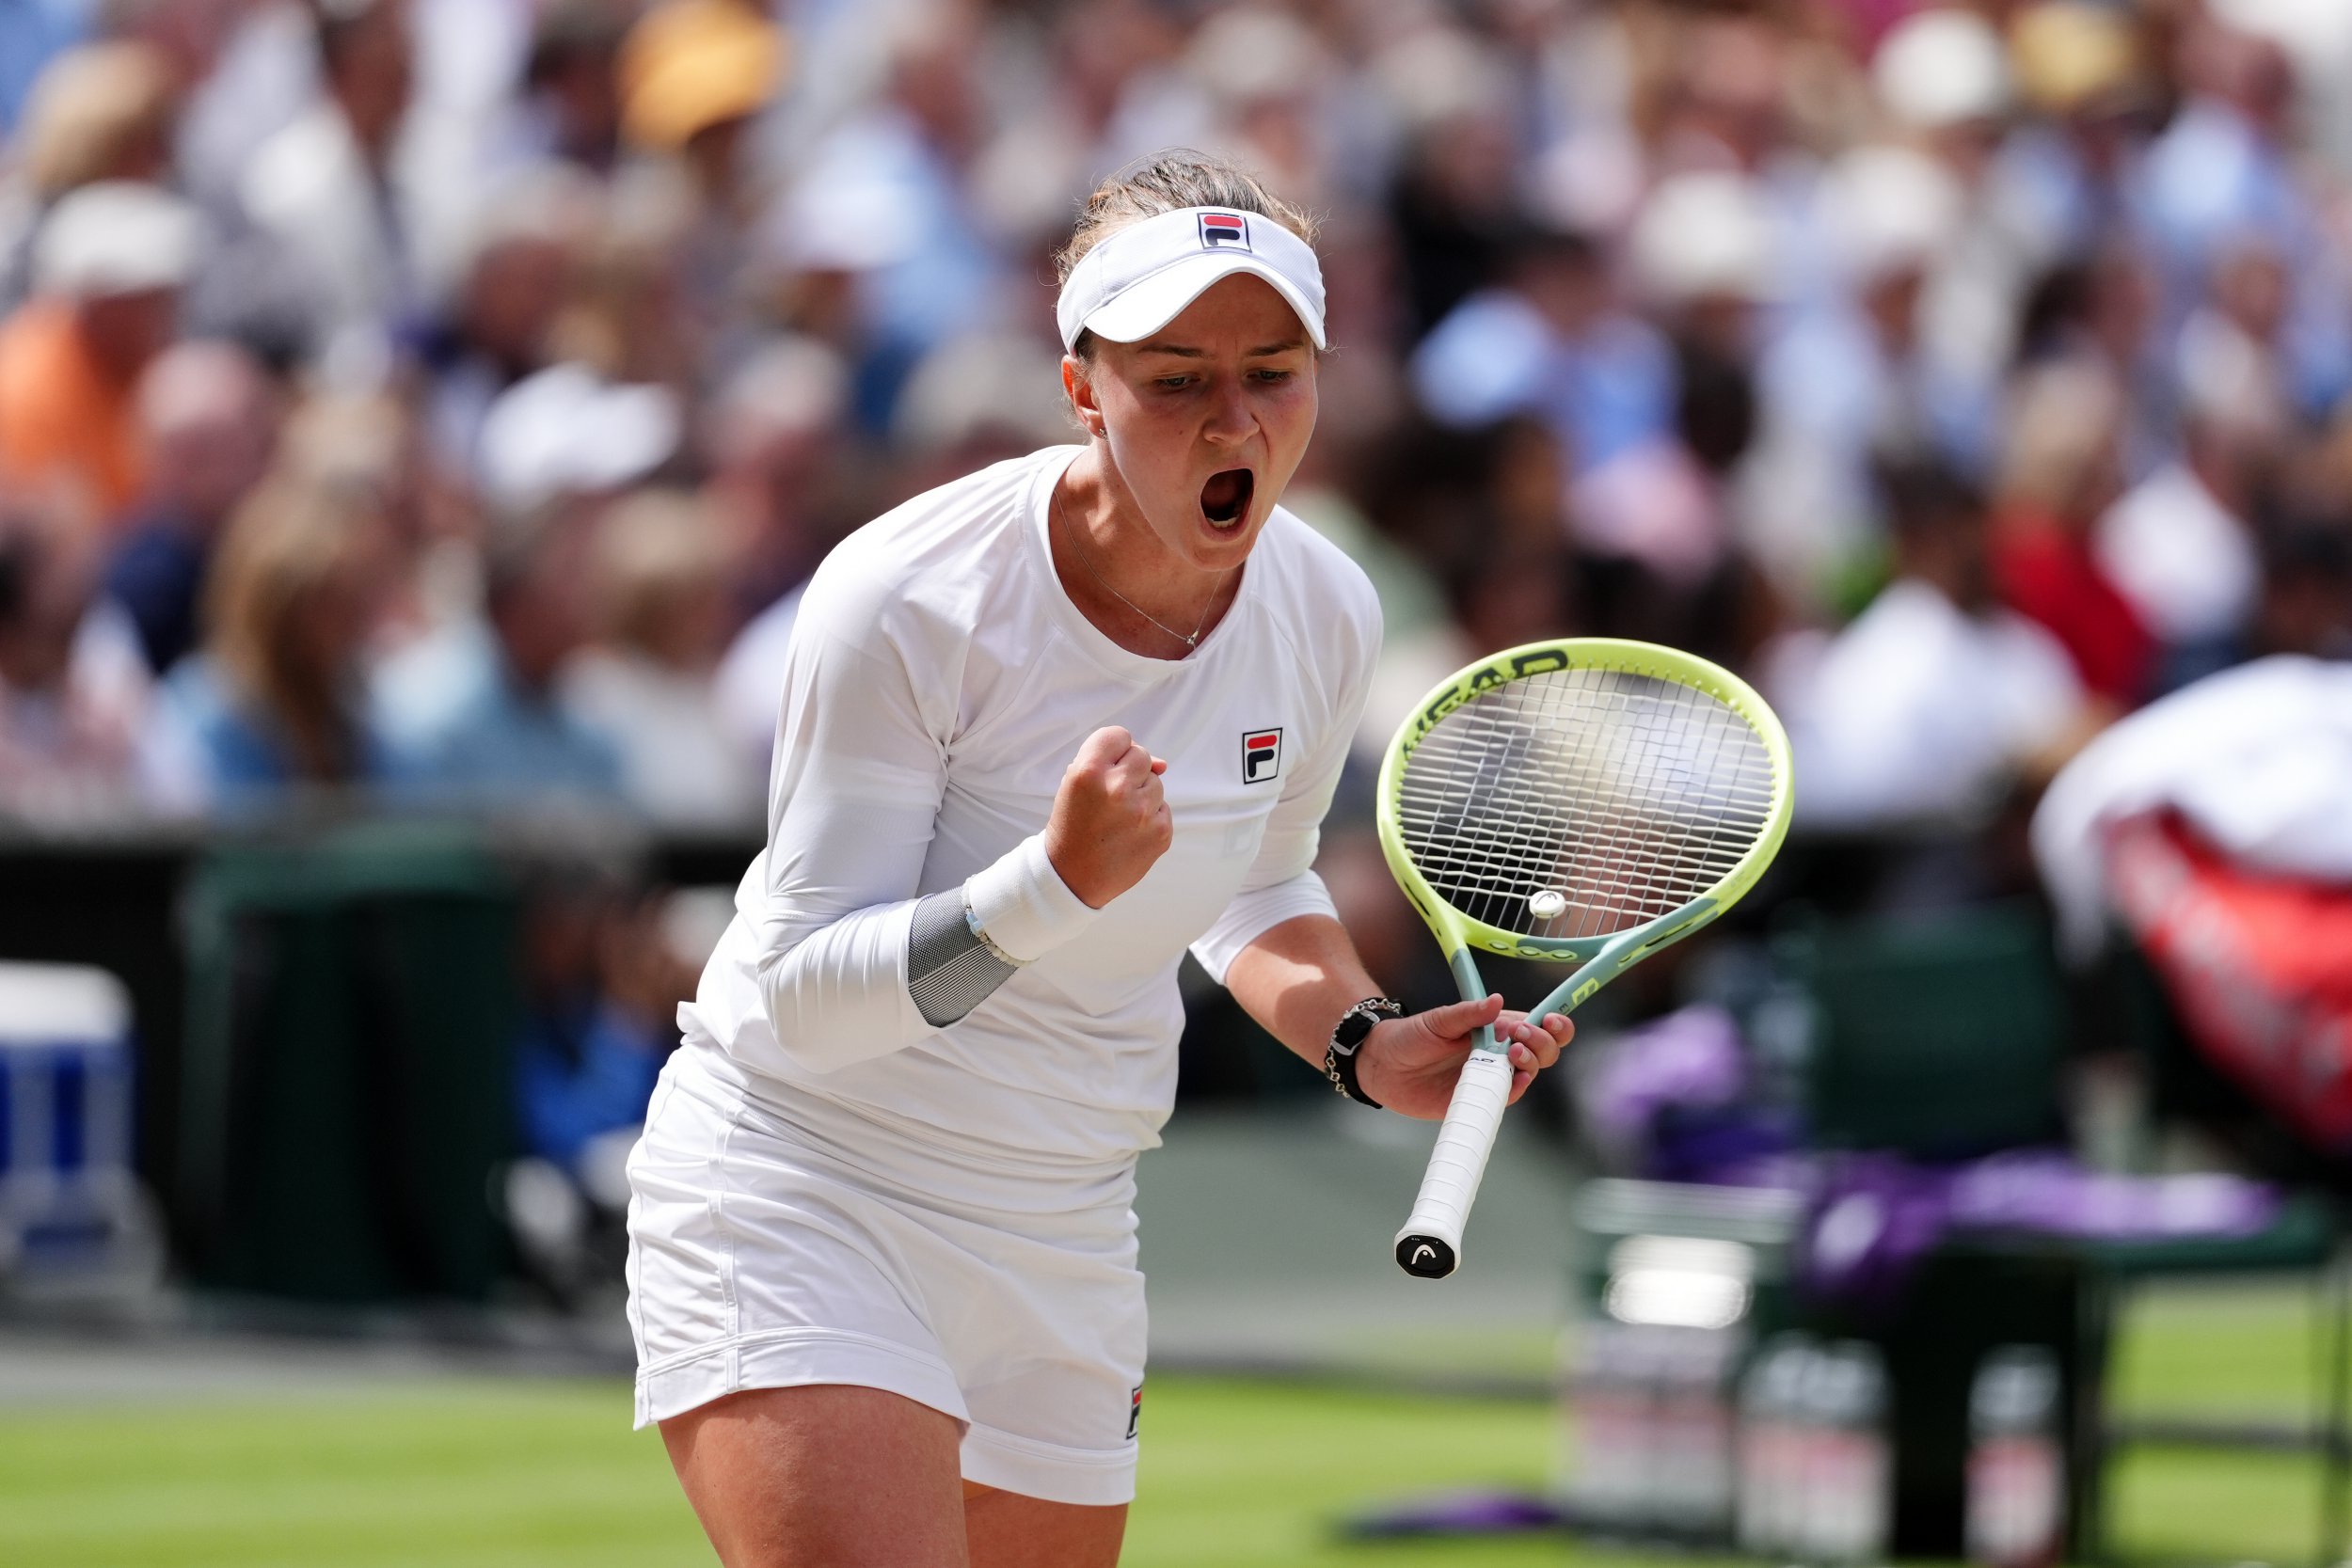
[(832, 1191)]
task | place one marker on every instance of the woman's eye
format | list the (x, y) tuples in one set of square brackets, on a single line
[(1274, 377), (1173, 383)]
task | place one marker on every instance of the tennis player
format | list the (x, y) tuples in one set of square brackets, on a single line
[(1044, 730)]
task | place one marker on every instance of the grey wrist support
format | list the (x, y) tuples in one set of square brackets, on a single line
[(951, 965)]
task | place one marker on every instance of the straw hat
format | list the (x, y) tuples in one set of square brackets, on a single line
[(692, 64)]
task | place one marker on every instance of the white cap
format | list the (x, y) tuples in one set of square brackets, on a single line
[(1139, 278), (117, 237), (1891, 209), (566, 430), (1706, 233), (1941, 68)]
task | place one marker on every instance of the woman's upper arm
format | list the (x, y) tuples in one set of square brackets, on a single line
[(861, 766)]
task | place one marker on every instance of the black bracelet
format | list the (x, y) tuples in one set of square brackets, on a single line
[(1347, 1038)]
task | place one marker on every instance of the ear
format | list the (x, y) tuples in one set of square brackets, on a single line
[(1077, 383)]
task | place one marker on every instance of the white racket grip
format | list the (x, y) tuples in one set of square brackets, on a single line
[(1430, 1246)]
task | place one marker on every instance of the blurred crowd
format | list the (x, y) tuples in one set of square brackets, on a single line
[(442, 400)]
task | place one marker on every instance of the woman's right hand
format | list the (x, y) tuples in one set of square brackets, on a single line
[(1110, 818)]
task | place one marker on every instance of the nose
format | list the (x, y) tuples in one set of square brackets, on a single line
[(1229, 420)]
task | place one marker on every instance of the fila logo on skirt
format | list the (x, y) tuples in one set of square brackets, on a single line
[(1261, 756)]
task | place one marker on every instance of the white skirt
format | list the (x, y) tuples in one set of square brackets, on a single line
[(767, 1251)]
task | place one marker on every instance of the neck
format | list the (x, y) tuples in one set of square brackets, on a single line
[(1135, 590)]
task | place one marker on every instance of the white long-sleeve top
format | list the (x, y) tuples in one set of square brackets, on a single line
[(940, 681)]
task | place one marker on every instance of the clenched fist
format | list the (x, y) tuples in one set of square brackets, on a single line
[(1110, 817)]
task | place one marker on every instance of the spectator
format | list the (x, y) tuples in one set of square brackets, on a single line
[(474, 706), (74, 694), (2061, 470), (2181, 545), (332, 193), (571, 104), (693, 74), (1935, 701), (773, 443), (661, 572), (208, 417), (107, 271), (273, 704), (1555, 342), (527, 246), (101, 112)]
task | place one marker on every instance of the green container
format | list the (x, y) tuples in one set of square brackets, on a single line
[(347, 1098)]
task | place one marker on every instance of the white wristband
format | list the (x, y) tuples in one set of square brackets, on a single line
[(1023, 906)]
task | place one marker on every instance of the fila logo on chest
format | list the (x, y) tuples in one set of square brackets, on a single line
[(1260, 755)]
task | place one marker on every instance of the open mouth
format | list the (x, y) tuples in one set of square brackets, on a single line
[(1225, 500)]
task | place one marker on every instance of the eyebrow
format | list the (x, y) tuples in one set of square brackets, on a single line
[(1179, 351)]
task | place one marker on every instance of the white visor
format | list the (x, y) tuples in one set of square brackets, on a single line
[(1141, 278)]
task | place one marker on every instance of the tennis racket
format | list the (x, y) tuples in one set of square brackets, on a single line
[(1586, 801)]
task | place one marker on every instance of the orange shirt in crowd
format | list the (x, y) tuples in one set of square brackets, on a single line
[(61, 419)]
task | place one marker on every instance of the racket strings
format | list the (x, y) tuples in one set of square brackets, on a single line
[(1626, 796)]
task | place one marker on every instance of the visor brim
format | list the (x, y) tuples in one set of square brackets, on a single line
[(1149, 304)]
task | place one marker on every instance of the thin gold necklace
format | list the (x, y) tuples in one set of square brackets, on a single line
[(1053, 506)]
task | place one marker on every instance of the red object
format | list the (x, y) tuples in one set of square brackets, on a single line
[(2050, 577), (2259, 966)]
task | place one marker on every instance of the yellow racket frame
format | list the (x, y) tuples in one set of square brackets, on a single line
[(1432, 1251)]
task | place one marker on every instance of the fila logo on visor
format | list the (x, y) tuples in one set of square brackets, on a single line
[(1224, 231), (1261, 756)]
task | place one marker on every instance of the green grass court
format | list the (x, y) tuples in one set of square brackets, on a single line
[(523, 1473)]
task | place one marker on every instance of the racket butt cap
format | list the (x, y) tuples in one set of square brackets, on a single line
[(1424, 1257)]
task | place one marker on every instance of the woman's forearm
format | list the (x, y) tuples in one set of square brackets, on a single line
[(1297, 979)]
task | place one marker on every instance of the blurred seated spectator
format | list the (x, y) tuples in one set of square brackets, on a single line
[(693, 77), (2180, 545), (773, 437), (571, 107), (2060, 471), (101, 112), (109, 266), (473, 705), (662, 590), (1936, 701), (603, 977), (1857, 370), (74, 694), (1551, 341), (209, 417), (342, 205), (526, 247), (273, 704)]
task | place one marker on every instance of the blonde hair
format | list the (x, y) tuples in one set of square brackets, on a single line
[(292, 537), (2063, 421), (1169, 182), (93, 113), (653, 549)]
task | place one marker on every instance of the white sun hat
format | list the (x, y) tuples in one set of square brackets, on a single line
[(1937, 69), (117, 237), (1140, 278)]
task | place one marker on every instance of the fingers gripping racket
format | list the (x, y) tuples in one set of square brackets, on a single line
[(1588, 803)]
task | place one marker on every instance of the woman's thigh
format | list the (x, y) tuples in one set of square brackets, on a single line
[(848, 1477), (1009, 1530), (845, 1477)]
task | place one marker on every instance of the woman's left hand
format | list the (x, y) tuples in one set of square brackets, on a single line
[(1409, 1064)]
